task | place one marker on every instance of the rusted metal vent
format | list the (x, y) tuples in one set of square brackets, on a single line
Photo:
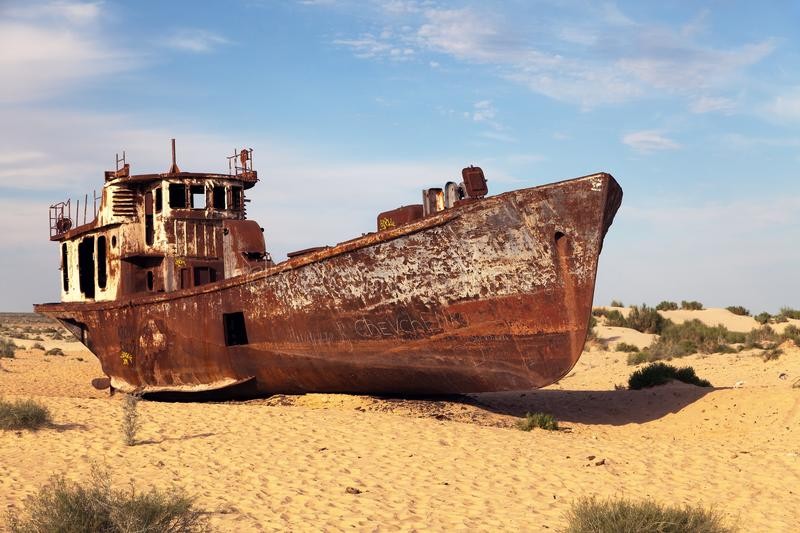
[(474, 182), (398, 217), (124, 202)]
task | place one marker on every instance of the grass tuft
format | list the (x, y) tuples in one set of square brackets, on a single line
[(590, 515), (66, 506), (54, 351), (538, 420), (656, 374), (762, 318), (23, 414), (692, 305)]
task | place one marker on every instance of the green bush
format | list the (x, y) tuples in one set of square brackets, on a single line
[(691, 305), (538, 420), (599, 312), (54, 351), (692, 336), (762, 318), (616, 303), (788, 312), (637, 358), (778, 319), (771, 354), (738, 310), (645, 319), (626, 347), (63, 506), (667, 306), (763, 338), (590, 515), (23, 414), (791, 333), (8, 348), (660, 373), (615, 319)]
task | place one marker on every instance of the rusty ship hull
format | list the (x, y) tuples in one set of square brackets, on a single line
[(489, 296)]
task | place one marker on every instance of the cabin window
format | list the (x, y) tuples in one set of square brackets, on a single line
[(102, 275), (86, 266), (159, 199), (219, 197), (149, 280), (177, 195), (186, 279), (203, 275), (64, 267), (236, 198), (113, 241), (198, 196), (148, 219), (234, 328)]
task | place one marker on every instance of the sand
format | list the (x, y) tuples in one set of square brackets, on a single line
[(286, 463)]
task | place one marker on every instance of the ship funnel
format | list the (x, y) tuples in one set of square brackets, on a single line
[(174, 168)]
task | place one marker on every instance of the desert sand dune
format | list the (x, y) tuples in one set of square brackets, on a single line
[(443, 464)]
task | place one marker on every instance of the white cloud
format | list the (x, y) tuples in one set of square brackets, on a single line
[(708, 104), (609, 60), (785, 106), (649, 141), (484, 111), (195, 40), (48, 49)]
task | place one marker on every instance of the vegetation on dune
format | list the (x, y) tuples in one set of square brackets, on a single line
[(626, 347), (644, 319), (37, 346), (538, 420), (23, 414), (66, 506), (692, 305), (667, 306), (616, 303), (589, 515), (738, 310), (54, 351), (7, 348), (692, 336), (763, 318), (660, 373), (788, 312)]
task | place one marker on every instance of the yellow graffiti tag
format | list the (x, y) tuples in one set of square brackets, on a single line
[(180, 262), (127, 358), (386, 223)]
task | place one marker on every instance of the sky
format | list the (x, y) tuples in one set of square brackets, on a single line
[(352, 107)]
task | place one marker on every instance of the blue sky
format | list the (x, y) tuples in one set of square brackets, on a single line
[(353, 107)]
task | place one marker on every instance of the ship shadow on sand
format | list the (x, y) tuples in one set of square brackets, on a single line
[(593, 407), (501, 409)]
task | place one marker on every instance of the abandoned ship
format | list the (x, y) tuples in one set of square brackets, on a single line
[(172, 288)]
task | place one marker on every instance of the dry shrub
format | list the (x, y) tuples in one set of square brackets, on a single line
[(692, 305), (538, 420), (667, 306), (130, 418), (738, 310), (590, 515), (8, 348), (23, 414), (63, 506)]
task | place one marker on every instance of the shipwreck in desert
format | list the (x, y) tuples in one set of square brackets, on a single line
[(173, 289)]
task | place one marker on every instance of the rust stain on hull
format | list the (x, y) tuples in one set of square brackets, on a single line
[(489, 295)]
